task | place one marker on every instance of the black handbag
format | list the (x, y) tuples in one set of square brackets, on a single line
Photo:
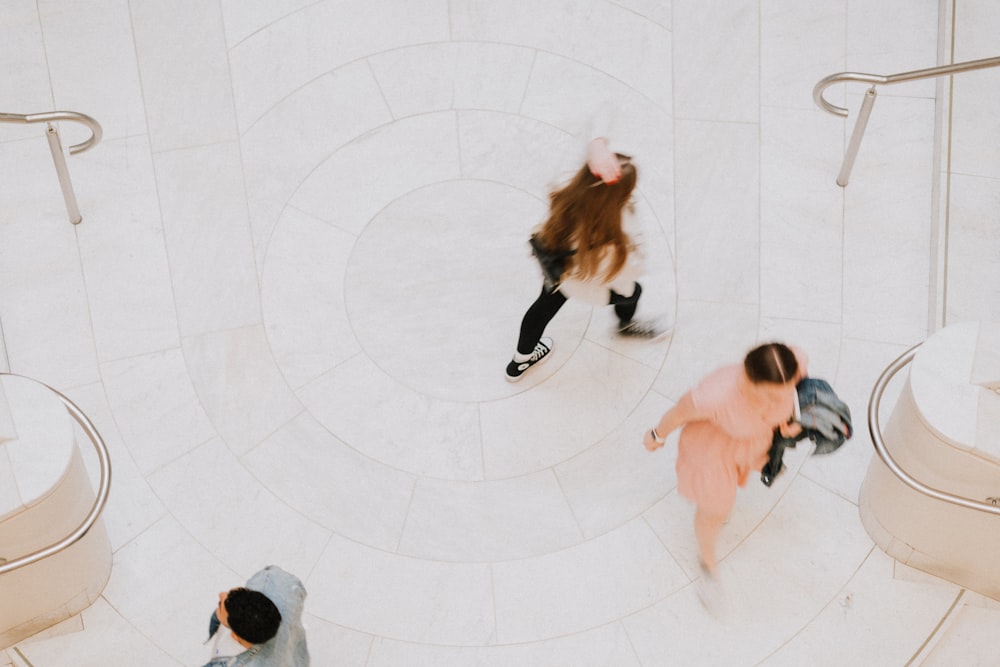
[(553, 264), (825, 419)]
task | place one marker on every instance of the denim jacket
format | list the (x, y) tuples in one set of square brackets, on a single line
[(286, 649), (825, 419)]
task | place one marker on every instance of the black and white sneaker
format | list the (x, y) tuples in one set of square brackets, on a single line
[(649, 329), (515, 369)]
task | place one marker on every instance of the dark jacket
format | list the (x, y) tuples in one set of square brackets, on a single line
[(825, 419)]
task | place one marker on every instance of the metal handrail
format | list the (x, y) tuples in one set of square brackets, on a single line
[(96, 132), (103, 488), (876, 79), (875, 429), (55, 146)]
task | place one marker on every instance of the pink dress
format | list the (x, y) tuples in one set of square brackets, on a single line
[(716, 454)]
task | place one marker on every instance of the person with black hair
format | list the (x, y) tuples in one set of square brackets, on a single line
[(727, 424), (264, 622)]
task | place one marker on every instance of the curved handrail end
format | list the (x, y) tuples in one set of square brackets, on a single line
[(96, 131), (859, 77), (822, 102)]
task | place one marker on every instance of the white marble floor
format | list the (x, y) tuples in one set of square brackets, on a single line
[(300, 274)]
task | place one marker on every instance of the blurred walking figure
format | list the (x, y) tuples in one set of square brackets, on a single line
[(727, 424), (587, 250)]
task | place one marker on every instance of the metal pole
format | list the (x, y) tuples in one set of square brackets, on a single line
[(55, 145), (856, 136)]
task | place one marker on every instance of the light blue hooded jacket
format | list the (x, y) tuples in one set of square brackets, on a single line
[(288, 647)]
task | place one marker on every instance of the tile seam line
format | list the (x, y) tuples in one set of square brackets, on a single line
[(242, 131)]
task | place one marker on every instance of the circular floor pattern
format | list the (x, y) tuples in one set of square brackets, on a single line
[(435, 317)]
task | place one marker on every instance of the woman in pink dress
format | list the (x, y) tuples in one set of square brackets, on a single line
[(728, 423)]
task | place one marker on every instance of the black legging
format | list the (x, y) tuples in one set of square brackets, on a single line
[(545, 307)]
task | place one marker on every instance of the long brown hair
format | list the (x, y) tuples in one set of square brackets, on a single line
[(586, 215)]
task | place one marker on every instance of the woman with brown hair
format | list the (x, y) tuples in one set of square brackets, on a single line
[(727, 423), (587, 224)]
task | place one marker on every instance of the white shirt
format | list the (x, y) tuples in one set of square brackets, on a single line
[(223, 645)]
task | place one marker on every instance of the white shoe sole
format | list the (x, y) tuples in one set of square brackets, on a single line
[(549, 354)]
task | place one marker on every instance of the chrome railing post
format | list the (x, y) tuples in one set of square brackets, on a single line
[(55, 145), (856, 137), (52, 134), (876, 79)]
